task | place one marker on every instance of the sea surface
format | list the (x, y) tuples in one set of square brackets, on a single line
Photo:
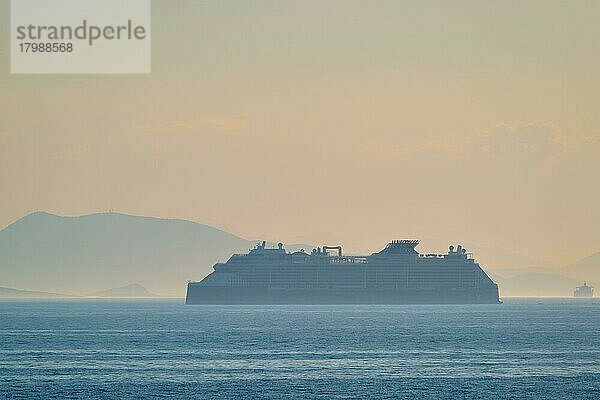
[(87, 349)]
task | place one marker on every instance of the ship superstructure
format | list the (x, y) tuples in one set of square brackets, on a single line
[(398, 274), (584, 291)]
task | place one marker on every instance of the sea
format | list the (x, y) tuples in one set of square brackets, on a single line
[(525, 348)]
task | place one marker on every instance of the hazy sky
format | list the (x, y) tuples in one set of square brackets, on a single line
[(340, 120)]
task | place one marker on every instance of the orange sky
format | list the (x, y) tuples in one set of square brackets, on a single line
[(345, 121)]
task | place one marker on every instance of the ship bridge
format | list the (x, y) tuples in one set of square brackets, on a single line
[(404, 247)]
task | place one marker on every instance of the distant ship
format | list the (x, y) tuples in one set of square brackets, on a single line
[(584, 291), (398, 274)]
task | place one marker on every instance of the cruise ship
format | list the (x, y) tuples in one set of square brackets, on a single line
[(398, 274)]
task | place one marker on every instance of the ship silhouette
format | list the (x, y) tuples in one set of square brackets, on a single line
[(398, 274)]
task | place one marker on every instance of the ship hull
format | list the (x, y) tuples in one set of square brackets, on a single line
[(202, 294)]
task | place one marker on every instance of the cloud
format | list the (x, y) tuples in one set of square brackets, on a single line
[(195, 125), (73, 151), (533, 138), (534, 141), (4, 136), (539, 141)]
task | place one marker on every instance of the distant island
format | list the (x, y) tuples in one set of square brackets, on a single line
[(133, 290), (28, 294)]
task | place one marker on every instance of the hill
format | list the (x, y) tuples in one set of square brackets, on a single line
[(80, 255), (587, 268), (133, 290), (10, 293)]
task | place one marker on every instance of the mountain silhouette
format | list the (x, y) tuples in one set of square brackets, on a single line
[(27, 294), (132, 290), (586, 269), (82, 255)]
